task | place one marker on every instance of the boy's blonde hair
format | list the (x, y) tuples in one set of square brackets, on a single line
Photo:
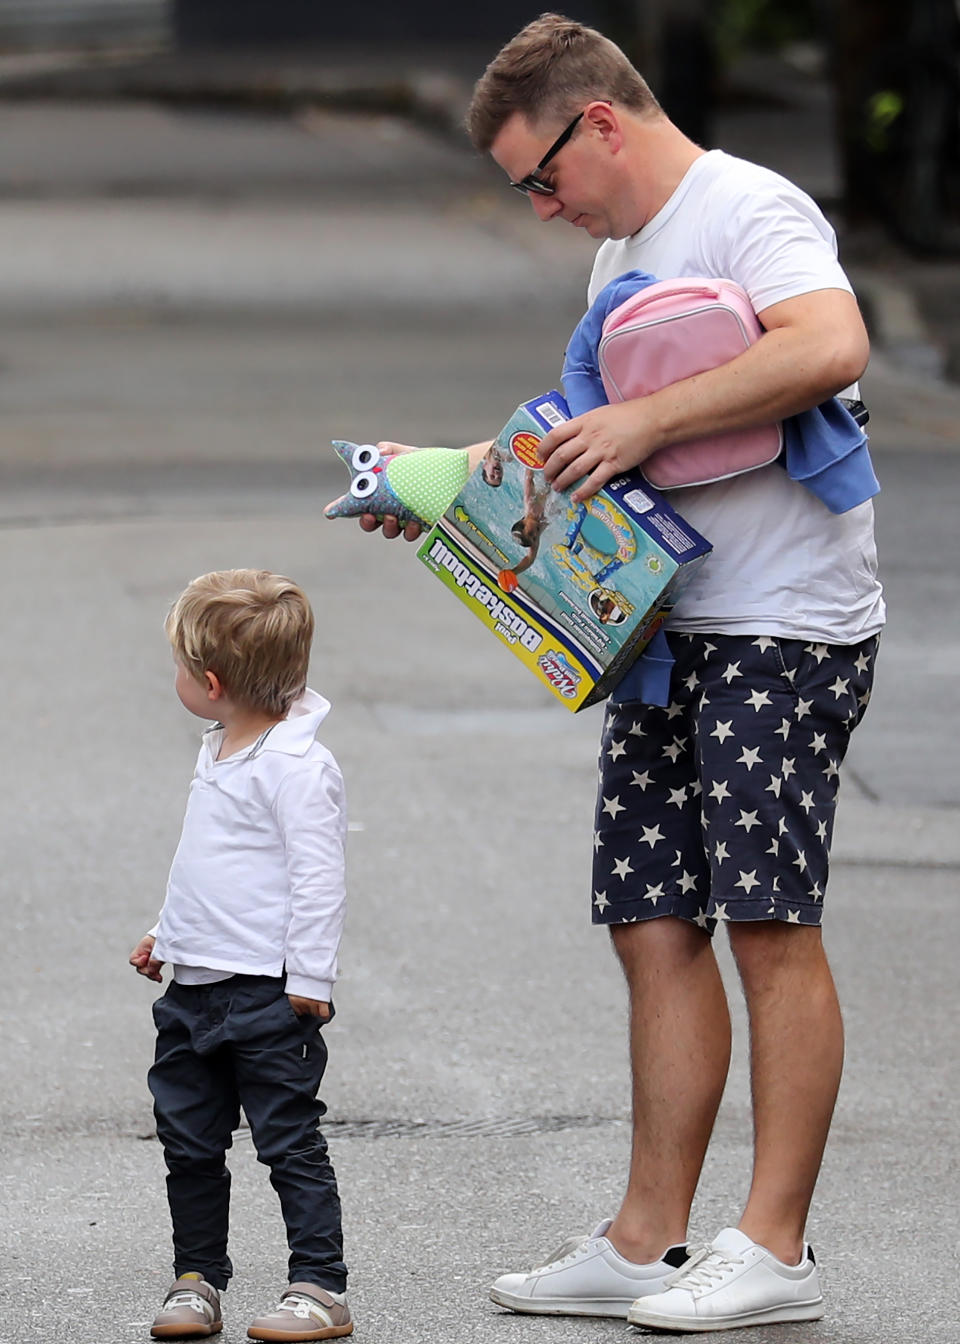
[(548, 73), (249, 627)]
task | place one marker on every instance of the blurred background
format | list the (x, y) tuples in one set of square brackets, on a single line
[(231, 231)]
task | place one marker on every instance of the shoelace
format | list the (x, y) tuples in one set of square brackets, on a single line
[(186, 1297), (704, 1268), (304, 1307), (567, 1251)]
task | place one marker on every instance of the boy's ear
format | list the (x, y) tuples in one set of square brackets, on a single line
[(214, 686)]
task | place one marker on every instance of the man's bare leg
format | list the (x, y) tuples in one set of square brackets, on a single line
[(679, 1053), (796, 1058)]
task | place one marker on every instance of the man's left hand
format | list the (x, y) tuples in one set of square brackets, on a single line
[(598, 446)]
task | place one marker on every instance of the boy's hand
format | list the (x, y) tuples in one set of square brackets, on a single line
[(309, 1007), (143, 962)]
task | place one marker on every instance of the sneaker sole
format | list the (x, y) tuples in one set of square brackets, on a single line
[(329, 1332), (799, 1311), (562, 1306), (185, 1331)]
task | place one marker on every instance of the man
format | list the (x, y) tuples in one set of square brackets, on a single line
[(716, 807)]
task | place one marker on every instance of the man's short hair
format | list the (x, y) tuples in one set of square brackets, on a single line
[(249, 627), (548, 73)]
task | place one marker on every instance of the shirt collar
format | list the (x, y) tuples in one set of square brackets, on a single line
[(293, 735)]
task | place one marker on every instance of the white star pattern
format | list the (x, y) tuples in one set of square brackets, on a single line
[(652, 835), (790, 806)]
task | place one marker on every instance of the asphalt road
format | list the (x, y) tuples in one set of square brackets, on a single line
[(477, 1086)]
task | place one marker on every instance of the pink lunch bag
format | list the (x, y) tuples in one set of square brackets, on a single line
[(672, 330)]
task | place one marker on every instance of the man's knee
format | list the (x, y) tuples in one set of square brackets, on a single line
[(656, 947), (766, 951)]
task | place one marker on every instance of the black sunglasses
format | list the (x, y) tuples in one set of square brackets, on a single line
[(532, 182)]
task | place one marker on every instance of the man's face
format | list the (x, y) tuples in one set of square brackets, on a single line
[(579, 173)]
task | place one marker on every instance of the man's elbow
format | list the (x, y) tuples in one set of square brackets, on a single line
[(849, 356)]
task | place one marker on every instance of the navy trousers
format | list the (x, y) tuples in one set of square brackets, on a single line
[(219, 1047)]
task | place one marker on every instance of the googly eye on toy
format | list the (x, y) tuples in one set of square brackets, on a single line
[(417, 486)]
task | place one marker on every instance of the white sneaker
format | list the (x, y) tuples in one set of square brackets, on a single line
[(585, 1277), (733, 1282)]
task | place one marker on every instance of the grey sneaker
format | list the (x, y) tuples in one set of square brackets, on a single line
[(305, 1312), (191, 1310)]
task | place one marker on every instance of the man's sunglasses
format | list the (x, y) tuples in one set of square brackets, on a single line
[(532, 182)]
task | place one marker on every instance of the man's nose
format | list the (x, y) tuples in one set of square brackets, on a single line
[(545, 207)]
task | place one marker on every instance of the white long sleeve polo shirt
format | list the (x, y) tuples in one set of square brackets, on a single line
[(257, 882)]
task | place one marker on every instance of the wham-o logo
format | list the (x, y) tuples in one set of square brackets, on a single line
[(526, 449), (509, 624), (561, 676)]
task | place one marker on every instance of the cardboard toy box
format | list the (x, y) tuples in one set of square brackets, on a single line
[(576, 591)]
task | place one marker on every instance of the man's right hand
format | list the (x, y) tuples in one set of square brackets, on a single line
[(390, 525)]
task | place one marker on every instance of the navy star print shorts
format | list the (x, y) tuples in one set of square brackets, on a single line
[(720, 805)]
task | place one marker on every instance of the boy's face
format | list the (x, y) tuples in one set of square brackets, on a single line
[(193, 695)]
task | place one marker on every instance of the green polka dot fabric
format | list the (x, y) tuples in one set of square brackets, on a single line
[(428, 481)]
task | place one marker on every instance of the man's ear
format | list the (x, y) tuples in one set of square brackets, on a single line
[(604, 121), (214, 686)]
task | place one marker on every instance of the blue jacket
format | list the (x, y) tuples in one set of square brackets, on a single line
[(824, 449)]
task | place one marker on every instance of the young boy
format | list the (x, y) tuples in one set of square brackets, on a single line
[(251, 925)]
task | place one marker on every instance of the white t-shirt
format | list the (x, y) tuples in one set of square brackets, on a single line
[(782, 563), (257, 882)]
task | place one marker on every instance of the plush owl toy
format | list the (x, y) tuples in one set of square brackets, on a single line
[(414, 487)]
